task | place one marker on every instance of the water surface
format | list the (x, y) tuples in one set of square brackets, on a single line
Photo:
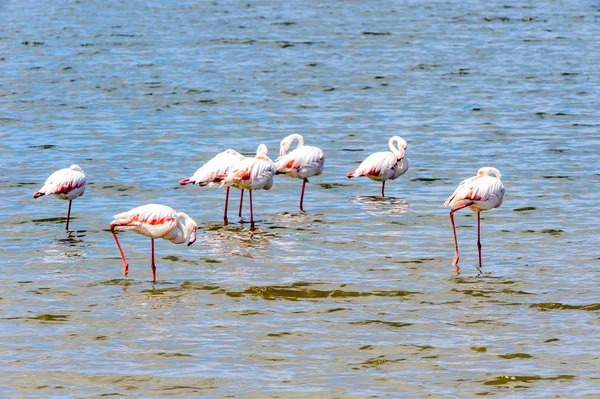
[(354, 298)]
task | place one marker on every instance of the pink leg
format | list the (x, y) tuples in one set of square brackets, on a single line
[(456, 257), (302, 194), (383, 188), (69, 214), (479, 236), (226, 203), (153, 265), (251, 214), (241, 200), (125, 264)]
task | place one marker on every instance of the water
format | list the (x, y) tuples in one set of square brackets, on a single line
[(355, 298)]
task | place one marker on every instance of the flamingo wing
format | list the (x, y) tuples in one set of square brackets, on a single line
[(303, 162), (151, 220), (262, 173), (64, 183), (377, 166), (213, 171)]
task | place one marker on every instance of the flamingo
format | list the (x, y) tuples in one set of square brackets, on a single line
[(386, 165), (480, 193), (155, 221), (64, 184), (303, 162), (252, 174), (210, 173)]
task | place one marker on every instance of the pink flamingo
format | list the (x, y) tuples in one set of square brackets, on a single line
[(212, 171), (386, 165), (252, 174), (480, 193), (305, 161), (64, 184), (155, 221)]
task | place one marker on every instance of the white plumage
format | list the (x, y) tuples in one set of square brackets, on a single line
[(479, 193), (303, 162), (64, 184), (155, 221), (252, 174), (214, 171), (385, 165), (211, 172)]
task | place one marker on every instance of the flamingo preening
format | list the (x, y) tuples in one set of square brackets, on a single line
[(303, 162), (212, 171), (479, 193), (385, 165), (64, 184), (155, 221)]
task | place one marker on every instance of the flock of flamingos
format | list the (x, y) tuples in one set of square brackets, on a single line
[(230, 168)]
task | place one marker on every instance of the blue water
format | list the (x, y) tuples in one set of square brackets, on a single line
[(356, 297)]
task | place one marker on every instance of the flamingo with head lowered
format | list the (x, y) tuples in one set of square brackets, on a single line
[(212, 171), (385, 165), (479, 193), (155, 221), (252, 174), (303, 162), (64, 184)]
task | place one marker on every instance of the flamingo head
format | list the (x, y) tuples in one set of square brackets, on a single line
[(487, 170), (187, 229), (262, 150), (76, 168), (192, 235)]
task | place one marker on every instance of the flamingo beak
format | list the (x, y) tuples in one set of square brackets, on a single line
[(192, 237)]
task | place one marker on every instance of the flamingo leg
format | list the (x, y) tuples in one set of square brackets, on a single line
[(125, 264), (241, 199), (69, 214), (456, 257), (302, 194), (383, 188), (153, 265), (226, 203), (251, 213), (479, 236)]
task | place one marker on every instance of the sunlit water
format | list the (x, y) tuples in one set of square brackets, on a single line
[(354, 298)]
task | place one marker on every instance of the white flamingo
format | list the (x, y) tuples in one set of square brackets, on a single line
[(385, 165), (64, 184), (212, 171), (155, 221), (480, 193), (252, 174), (303, 162)]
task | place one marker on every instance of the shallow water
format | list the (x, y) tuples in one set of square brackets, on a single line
[(355, 298)]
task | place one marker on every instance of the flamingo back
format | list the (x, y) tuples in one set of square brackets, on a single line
[(303, 162), (213, 171), (65, 184), (152, 220), (480, 193), (379, 166)]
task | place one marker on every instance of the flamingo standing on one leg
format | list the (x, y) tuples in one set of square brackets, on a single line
[(386, 165), (65, 184), (155, 221), (480, 193), (252, 174), (212, 171), (305, 161)]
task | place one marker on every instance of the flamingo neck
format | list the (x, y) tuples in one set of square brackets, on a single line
[(287, 142), (182, 232), (397, 146)]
